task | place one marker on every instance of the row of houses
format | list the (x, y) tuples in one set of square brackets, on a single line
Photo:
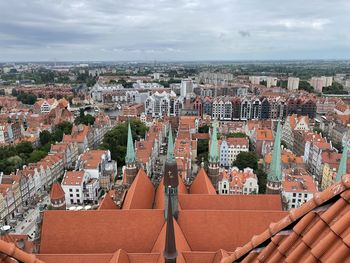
[(255, 107), (23, 189)]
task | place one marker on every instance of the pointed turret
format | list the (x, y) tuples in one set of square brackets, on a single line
[(343, 160), (274, 177), (130, 152), (213, 158), (130, 159), (170, 252), (171, 178)]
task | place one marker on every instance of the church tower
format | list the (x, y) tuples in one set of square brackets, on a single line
[(130, 159), (274, 177), (213, 158), (171, 180), (343, 160)]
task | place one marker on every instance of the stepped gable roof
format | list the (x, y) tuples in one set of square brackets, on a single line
[(211, 230), (180, 241), (230, 202), (202, 184), (141, 193), (159, 198), (107, 203), (316, 231), (56, 192), (66, 232)]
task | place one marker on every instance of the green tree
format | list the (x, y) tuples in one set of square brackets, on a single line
[(116, 139), (335, 88), (246, 159), (45, 137), (304, 85), (36, 156), (84, 118), (24, 148)]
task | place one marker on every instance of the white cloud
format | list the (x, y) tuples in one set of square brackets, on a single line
[(317, 24), (173, 29)]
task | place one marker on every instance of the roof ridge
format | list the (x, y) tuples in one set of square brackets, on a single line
[(294, 214)]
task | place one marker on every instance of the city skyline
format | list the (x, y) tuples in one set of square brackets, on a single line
[(173, 31)]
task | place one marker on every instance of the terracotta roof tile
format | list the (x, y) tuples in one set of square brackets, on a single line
[(315, 231), (75, 232), (202, 184), (56, 192), (107, 203), (141, 193), (230, 202), (235, 228), (180, 240)]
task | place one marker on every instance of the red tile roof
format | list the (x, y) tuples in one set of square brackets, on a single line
[(140, 194), (10, 250), (211, 230), (73, 178), (181, 242), (77, 232), (230, 202), (318, 231), (107, 203), (202, 184), (56, 192)]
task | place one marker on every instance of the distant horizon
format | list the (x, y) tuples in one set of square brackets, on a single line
[(180, 61)]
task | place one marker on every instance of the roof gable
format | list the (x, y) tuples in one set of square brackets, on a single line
[(140, 194), (202, 184)]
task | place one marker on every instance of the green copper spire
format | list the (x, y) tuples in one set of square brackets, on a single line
[(343, 160), (213, 152), (275, 173), (130, 152), (170, 153)]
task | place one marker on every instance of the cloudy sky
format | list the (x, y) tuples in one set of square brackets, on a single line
[(42, 30)]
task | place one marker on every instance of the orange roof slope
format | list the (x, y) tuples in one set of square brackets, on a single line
[(180, 240), (10, 250), (213, 230), (56, 191), (318, 231), (140, 194), (107, 203), (67, 232), (202, 184), (78, 258), (230, 202)]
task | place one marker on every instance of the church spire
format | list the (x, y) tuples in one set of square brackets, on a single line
[(275, 173), (170, 252), (213, 152), (274, 177), (130, 152), (130, 159), (343, 160)]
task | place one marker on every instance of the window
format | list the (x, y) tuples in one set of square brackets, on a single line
[(71, 195), (293, 200), (71, 201), (78, 195), (77, 190), (70, 190), (294, 194)]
